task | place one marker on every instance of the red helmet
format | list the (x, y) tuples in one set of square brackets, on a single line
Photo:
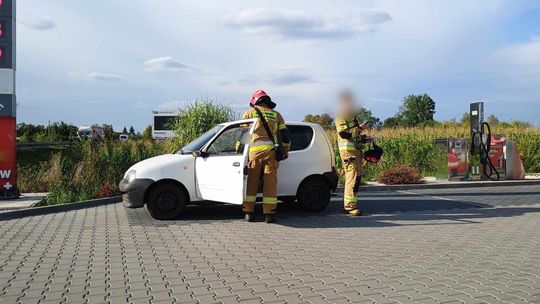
[(256, 96)]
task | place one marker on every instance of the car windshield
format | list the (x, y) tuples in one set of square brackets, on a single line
[(198, 143)]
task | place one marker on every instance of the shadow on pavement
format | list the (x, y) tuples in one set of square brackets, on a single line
[(447, 194), (381, 210)]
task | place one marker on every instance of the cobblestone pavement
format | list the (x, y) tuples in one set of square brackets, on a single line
[(424, 246)]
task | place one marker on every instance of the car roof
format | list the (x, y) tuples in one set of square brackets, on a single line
[(291, 123)]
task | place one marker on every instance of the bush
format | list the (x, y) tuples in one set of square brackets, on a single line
[(401, 174), (85, 171), (199, 117)]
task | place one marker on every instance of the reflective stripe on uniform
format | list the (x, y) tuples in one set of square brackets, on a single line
[(350, 199), (267, 114), (269, 200), (261, 145), (347, 146), (261, 148), (343, 125), (250, 199), (283, 127)]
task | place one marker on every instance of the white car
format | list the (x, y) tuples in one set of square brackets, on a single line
[(212, 168)]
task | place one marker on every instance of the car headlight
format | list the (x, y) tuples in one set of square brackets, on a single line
[(130, 176)]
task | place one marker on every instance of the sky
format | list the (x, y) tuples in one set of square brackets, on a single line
[(114, 61)]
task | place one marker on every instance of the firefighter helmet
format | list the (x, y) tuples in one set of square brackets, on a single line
[(260, 96), (256, 96), (374, 154)]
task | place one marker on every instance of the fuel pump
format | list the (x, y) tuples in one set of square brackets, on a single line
[(481, 140)]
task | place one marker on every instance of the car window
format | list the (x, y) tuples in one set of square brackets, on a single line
[(301, 137), (231, 141), (199, 142)]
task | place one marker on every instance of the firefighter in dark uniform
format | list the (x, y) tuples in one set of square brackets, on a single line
[(263, 164), (348, 135)]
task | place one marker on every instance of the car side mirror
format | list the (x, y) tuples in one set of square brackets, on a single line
[(199, 154)]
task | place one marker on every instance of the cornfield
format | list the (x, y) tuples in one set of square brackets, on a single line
[(416, 147)]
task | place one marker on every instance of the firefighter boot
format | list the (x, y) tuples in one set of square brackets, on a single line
[(269, 218), (249, 217), (249, 208), (355, 212)]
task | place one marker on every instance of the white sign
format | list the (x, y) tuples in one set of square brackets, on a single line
[(7, 81)]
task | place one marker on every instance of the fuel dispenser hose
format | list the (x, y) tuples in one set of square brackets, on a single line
[(487, 166)]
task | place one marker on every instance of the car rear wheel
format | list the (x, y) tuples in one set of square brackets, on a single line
[(314, 195), (167, 201)]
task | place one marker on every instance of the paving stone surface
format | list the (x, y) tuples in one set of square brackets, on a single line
[(476, 245)]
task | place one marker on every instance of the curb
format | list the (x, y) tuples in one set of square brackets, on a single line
[(450, 185), (59, 208)]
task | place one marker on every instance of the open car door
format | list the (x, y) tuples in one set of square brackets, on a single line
[(220, 170)]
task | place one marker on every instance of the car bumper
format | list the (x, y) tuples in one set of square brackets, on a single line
[(332, 178), (133, 192)]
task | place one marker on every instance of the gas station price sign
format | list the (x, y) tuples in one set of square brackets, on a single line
[(8, 135)]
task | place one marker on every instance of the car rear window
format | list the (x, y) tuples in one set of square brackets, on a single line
[(301, 137)]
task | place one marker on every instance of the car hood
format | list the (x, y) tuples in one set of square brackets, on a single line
[(163, 166)]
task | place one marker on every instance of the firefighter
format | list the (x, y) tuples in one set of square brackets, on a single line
[(263, 163), (348, 134)]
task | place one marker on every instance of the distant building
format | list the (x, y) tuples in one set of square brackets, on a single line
[(93, 132), (162, 124)]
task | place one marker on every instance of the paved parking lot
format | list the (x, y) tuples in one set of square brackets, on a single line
[(476, 245)]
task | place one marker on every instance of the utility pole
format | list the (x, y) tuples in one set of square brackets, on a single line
[(8, 105)]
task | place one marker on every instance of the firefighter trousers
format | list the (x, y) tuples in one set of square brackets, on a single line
[(352, 165), (262, 166)]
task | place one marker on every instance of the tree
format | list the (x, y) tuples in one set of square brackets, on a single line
[(131, 130), (325, 120), (417, 110), (492, 120), (109, 132), (124, 130), (56, 131), (365, 115), (392, 122), (466, 118), (147, 133)]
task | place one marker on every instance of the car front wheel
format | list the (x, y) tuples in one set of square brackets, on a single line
[(167, 201), (314, 195)]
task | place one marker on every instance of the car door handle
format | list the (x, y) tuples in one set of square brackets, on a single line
[(236, 164)]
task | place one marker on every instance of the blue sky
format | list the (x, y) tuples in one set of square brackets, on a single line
[(107, 61)]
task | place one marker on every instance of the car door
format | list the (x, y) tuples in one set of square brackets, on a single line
[(220, 169)]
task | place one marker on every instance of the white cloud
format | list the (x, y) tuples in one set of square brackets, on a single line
[(165, 64), (105, 77), (522, 58), (36, 22), (282, 78), (292, 24), (98, 77), (171, 105), (289, 78)]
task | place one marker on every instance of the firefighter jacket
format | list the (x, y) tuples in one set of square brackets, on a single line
[(348, 136), (259, 139)]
